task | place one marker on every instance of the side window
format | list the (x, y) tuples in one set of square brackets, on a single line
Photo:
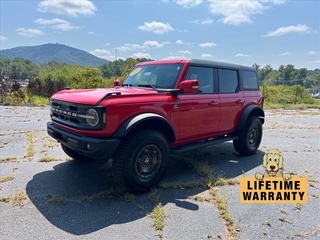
[(228, 80), (205, 77), (250, 80)]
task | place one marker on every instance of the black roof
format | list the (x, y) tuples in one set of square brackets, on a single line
[(219, 64)]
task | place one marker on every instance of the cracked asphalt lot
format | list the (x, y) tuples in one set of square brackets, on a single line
[(46, 195)]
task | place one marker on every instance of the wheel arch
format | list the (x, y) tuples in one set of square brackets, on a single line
[(251, 110), (144, 121)]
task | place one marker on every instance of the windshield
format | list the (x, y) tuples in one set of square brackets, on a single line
[(158, 76)]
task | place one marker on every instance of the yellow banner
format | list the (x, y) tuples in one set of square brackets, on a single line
[(273, 190)]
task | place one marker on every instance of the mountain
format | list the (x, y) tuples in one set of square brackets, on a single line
[(54, 52)]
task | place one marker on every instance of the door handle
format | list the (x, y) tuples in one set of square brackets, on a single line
[(213, 103), (240, 101)]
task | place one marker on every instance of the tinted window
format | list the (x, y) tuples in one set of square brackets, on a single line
[(228, 80), (249, 79), (205, 77)]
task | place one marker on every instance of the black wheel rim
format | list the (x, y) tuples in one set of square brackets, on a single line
[(253, 136), (148, 161)]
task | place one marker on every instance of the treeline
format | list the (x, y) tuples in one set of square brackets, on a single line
[(44, 80), (288, 75)]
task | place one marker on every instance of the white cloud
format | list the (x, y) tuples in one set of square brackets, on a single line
[(286, 54), (179, 42), (312, 53), (290, 29), (3, 38), (202, 22), (176, 57), (208, 44), (207, 22), (141, 55), (188, 3), (107, 44), (71, 8), (242, 55), (29, 32), (145, 45), (57, 24), (206, 56), (156, 27), (184, 52), (91, 33), (103, 53), (317, 62), (236, 12)]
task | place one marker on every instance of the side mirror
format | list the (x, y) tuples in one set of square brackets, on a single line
[(189, 86)]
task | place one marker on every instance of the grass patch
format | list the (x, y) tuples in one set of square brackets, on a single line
[(18, 199), (204, 170), (30, 140), (56, 200), (6, 178), (128, 197), (154, 196), (48, 159), (8, 159), (181, 185), (158, 216), (110, 193)]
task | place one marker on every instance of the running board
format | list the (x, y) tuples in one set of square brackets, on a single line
[(205, 143)]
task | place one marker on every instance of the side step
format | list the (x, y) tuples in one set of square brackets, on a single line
[(205, 143)]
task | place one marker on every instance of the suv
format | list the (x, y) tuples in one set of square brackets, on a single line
[(163, 107)]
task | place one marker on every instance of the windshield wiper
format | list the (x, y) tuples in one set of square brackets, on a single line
[(126, 85), (147, 85)]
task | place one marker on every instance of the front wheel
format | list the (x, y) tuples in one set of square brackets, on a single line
[(249, 137), (141, 161)]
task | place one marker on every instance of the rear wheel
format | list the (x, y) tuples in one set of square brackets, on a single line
[(75, 155), (249, 137), (141, 161)]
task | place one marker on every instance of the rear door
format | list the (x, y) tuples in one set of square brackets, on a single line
[(232, 100)]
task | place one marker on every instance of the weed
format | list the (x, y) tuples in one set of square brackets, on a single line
[(198, 198), (158, 215), (154, 196), (18, 199), (283, 218), (8, 159), (268, 222), (128, 197), (297, 206), (181, 185), (48, 159), (30, 140), (315, 195), (110, 193), (57, 201), (301, 234), (6, 178)]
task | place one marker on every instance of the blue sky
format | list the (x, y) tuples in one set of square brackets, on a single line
[(239, 31)]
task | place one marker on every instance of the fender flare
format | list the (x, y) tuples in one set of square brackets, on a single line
[(130, 123), (247, 112)]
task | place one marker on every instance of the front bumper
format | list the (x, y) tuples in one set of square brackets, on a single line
[(93, 147)]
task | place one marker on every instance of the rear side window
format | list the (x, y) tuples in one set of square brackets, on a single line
[(205, 77), (228, 81), (249, 80)]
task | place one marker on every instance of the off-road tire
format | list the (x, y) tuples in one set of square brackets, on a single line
[(249, 137), (141, 160), (75, 155)]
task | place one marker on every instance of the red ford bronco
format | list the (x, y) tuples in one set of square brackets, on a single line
[(163, 107)]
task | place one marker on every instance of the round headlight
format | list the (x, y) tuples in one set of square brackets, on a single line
[(92, 117)]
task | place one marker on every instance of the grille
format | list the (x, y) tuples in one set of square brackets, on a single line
[(68, 114)]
